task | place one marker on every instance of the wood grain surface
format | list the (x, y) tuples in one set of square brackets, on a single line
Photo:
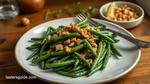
[(11, 31)]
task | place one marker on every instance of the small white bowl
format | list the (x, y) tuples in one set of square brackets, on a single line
[(125, 24)]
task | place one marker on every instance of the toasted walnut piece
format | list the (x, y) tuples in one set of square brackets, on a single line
[(95, 48), (67, 41), (73, 39), (58, 33), (67, 49), (78, 41), (59, 47), (90, 61), (78, 29), (49, 37), (55, 35), (71, 44), (64, 33), (124, 13), (91, 40), (85, 31), (85, 52)]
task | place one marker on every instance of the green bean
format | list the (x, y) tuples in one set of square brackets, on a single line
[(81, 58), (36, 39), (96, 39), (80, 73), (76, 63), (48, 31), (70, 67), (51, 31), (61, 27), (102, 56), (115, 50), (101, 35), (65, 58), (116, 56), (63, 52), (83, 26), (58, 64), (80, 70), (59, 68), (65, 73), (32, 47), (104, 32), (42, 49), (36, 44), (82, 22), (35, 57), (77, 68), (100, 52), (90, 48), (42, 64), (101, 49), (32, 41), (52, 59), (72, 74), (33, 54), (106, 59), (95, 70)]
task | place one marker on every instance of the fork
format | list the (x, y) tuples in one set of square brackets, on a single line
[(137, 42)]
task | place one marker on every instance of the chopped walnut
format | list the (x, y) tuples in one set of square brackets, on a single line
[(59, 47), (59, 32), (94, 46), (91, 40), (90, 61), (49, 37), (67, 49), (73, 39), (78, 41), (64, 33), (67, 41), (55, 35), (75, 28), (71, 44), (82, 55)]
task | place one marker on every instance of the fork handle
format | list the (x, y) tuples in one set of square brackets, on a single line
[(137, 42)]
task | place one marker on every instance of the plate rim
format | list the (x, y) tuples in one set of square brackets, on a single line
[(55, 81)]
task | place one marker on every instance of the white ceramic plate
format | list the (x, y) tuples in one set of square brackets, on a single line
[(115, 68)]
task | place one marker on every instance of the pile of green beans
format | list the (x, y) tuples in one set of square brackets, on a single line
[(74, 64)]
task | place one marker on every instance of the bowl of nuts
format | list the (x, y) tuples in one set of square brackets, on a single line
[(125, 14)]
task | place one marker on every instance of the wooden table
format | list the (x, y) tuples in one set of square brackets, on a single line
[(11, 32)]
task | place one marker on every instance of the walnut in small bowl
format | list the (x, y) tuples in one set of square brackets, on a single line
[(125, 14)]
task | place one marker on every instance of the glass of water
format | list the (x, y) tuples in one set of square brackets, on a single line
[(8, 9)]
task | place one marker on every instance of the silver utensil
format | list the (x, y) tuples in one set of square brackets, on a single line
[(137, 42)]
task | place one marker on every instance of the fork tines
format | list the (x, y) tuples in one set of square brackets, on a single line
[(83, 16)]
